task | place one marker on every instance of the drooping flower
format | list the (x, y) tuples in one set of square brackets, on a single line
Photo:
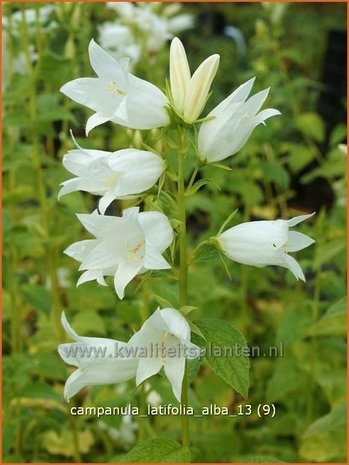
[(95, 360), (232, 123), (113, 175), (116, 95), (261, 243), (123, 246), (165, 339), (190, 93)]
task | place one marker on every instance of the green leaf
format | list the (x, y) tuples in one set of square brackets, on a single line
[(255, 459), (198, 184), (325, 439), (338, 134), (285, 380), (334, 322), (159, 450), (300, 156), (163, 302), (275, 173), (37, 296), (226, 353), (204, 252), (186, 309), (311, 125), (221, 166), (328, 252), (89, 322), (227, 221)]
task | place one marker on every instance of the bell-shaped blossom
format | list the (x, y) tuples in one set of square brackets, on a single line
[(116, 95), (113, 175), (261, 243), (231, 123), (95, 360), (164, 342), (190, 93), (123, 246)]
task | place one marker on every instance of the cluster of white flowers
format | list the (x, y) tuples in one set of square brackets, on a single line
[(126, 246), (12, 32), (141, 29), (162, 342)]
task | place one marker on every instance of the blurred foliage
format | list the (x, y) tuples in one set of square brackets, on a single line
[(285, 49)]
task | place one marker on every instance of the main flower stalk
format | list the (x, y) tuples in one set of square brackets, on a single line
[(183, 262)]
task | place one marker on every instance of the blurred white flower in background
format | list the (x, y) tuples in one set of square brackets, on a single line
[(123, 246), (119, 41), (261, 243), (125, 434), (142, 28)]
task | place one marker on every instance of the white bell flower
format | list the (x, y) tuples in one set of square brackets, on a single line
[(190, 93), (261, 243), (164, 339), (124, 246), (232, 123), (113, 175), (95, 360), (116, 95)]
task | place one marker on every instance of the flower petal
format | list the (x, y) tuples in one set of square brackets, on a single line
[(96, 120), (153, 259), (298, 241), (174, 370), (91, 275), (104, 65), (125, 273), (147, 367), (298, 219), (157, 229), (72, 185), (105, 201), (80, 249), (294, 267), (81, 90)]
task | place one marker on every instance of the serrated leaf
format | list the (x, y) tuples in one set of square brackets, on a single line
[(159, 450), (232, 368)]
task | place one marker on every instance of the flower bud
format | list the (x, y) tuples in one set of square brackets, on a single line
[(179, 74), (199, 88)]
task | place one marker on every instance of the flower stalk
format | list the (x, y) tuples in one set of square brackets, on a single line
[(183, 263)]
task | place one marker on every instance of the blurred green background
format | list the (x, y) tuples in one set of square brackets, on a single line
[(292, 165)]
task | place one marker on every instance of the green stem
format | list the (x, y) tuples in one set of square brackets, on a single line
[(50, 252), (143, 421), (183, 265)]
